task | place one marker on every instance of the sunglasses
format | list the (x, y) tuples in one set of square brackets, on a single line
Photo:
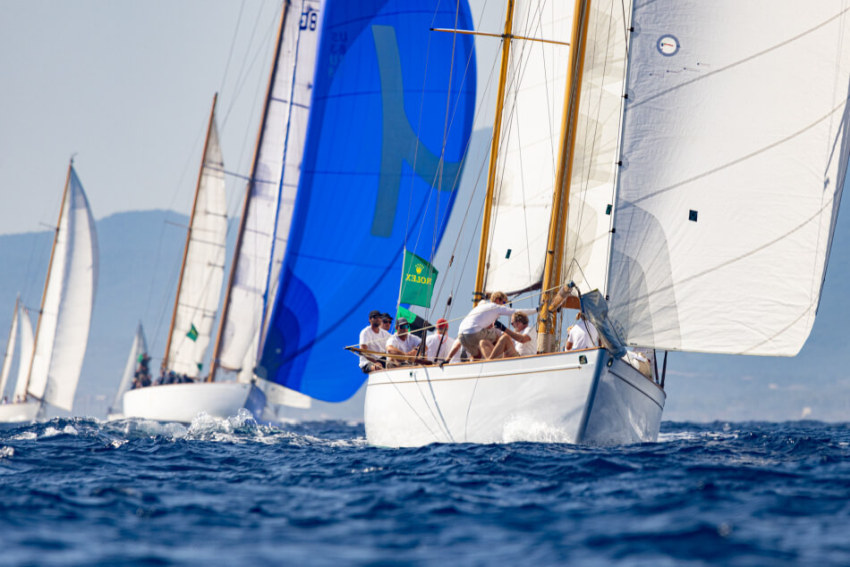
[(404, 326)]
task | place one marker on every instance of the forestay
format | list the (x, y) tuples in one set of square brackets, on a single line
[(528, 153), (63, 326), (377, 175), (734, 157)]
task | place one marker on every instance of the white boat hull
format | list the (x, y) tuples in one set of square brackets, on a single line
[(573, 397), (19, 413), (183, 402)]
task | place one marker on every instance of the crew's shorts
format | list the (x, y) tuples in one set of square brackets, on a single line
[(469, 341)]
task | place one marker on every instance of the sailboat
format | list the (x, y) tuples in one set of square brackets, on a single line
[(138, 349), (700, 219), (12, 410), (52, 358)]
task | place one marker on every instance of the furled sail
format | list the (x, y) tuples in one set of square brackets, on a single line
[(379, 173), (734, 155), (24, 355), (138, 348), (529, 143), (199, 290), (594, 164), (274, 179), (9, 356), (63, 326)]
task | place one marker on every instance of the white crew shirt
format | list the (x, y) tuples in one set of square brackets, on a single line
[(583, 335), (373, 341), (431, 347), (485, 314), (529, 347), (406, 345)]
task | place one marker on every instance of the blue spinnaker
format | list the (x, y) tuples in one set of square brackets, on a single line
[(372, 182)]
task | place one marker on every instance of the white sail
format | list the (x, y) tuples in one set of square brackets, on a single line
[(269, 194), (24, 355), (203, 270), (139, 346), (528, 154), (594, 165), (734, 153), (10, 351), (63, 327)]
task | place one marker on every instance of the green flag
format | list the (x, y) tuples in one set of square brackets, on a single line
[(193, 333), (418, 280)]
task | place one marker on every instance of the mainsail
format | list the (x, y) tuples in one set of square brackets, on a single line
[(9, 356), (63, 325), (138, 348), (734, 155), (199, 288), (375, 157)]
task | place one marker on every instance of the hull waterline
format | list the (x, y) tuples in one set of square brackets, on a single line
[(183, 402)]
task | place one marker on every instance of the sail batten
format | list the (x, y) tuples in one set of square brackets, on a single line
[(734, 156)]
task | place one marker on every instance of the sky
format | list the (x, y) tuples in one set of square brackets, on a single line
[(126, 87)]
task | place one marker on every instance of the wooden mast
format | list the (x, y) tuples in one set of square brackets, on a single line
[(478, 292), (561, 196), (188, 237), (47, 279), (246, 202)]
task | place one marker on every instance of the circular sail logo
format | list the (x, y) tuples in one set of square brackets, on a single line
[(667, 45)]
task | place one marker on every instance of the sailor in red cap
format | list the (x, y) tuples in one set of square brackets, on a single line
[(437, 345)]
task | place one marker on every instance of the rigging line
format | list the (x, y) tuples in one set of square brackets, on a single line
[(232, 47), (741, 61)]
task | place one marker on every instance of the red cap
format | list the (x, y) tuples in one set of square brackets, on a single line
[(442, 323)]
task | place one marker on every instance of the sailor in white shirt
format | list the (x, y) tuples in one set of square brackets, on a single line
[(478, 324), (522, 341), (402, 343), (439, 344), (582, 335), (373, 338)]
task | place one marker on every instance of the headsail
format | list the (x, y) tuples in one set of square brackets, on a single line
[(63, 326), (10, 349), (24, 355), (139, 347), (734, 156), (372, 161), (199, 290)]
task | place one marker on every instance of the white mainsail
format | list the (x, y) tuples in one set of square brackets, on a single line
[(199, 289), (528, 155), (734, 151), (594, 164), (63, 325), (271, 192), (139, 347), (10, 349), (24, 355)]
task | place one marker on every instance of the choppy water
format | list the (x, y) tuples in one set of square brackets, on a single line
[(85, 492)]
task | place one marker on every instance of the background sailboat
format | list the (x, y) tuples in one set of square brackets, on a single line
[(56, 358), (137, 349)]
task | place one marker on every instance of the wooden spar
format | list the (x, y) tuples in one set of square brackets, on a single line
[(478, 292), (561, 196), (248, 190), (47, 279), (470, 32), (164, 366)]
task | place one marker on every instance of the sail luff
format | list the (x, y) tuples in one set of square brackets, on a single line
[(10, 349), (483, 247), (215, 362), (561, 196)]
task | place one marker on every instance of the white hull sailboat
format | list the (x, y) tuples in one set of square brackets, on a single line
[(701, 162), (184, 402), (574, 397)]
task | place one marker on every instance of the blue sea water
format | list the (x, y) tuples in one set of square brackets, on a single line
[(231, 492)]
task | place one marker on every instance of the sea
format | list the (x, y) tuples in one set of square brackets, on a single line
[(82, 491)]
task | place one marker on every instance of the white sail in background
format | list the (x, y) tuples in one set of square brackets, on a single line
[(734, 152), (139, 347), (528, 157), (594, 165), (63, 327), (203, 271), (271, 193), (10, 350), (24, 355)]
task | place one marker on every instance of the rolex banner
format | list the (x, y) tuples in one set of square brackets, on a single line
[(418, 281)]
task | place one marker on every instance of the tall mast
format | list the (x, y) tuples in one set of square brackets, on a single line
[(561, 196), (248, 190), (188, 236), (478, 292), (49, 271)]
